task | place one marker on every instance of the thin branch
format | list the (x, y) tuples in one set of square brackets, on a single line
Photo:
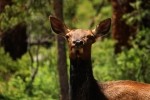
[(44, 41), (34, 71), (31, 57), (96, 14)]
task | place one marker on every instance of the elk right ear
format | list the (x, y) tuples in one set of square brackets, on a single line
[(102, 28), (58, 26)]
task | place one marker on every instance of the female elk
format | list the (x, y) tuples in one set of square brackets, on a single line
[(83, 86)]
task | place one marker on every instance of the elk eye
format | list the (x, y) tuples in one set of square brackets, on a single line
[(89, 36), (67, 36)]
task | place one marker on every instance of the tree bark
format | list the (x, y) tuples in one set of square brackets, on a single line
[(62, 63), (121, 32)]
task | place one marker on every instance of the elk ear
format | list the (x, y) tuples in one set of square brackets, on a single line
[(58, 26), (102, 28)]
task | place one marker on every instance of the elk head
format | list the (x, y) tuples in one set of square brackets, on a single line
[(79, 40)]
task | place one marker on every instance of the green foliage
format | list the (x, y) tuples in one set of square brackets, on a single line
[(28, 12), (45, 85), (13, 14), (103, 60), (136, 60), (83, 16), (79, 14), (138, 14), (7, 66), (131, 64)]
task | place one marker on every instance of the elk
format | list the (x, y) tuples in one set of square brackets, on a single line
[(83, 86)]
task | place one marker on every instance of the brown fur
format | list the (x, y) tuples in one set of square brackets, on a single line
[(126, 90)]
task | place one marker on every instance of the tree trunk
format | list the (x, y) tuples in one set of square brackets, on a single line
[(62, 63), (121, 32)]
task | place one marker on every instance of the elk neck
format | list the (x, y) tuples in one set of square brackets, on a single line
[(83, 86), (81, 65)]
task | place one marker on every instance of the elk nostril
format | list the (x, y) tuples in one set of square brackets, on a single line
[(74, 42)]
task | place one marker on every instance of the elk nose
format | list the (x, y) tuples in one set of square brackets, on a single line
[(78, 42)]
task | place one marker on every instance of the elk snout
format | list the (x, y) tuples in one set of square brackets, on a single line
[(78, 43)]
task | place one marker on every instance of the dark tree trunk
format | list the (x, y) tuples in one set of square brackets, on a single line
[(14, 41), (121, 32), (62, 63)]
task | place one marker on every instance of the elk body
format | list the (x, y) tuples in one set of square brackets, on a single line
[(83, 86)]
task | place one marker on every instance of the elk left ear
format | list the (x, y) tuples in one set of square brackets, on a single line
[(58, 26), (102, 28)]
